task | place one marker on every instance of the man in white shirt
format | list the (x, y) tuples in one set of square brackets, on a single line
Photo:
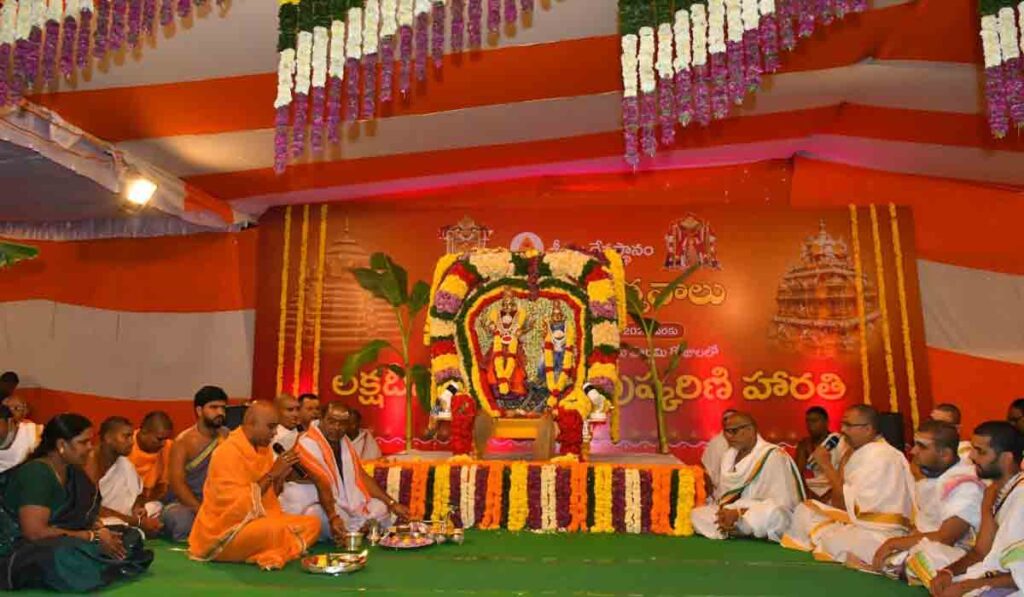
[(949, 498), (16, 441), (711, 460), (287, 421), (759, 487), (362, 439)]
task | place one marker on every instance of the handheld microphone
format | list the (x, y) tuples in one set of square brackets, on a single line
[(832, 442), (299, 471)]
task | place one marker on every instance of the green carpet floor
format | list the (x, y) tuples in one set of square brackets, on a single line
[(500, 563)]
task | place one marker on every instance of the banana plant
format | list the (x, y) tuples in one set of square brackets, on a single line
[(388, 281), (637, 310), (11, 253)]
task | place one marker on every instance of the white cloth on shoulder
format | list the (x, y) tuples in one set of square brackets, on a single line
[(286, 437), (818, 483), (366, 446), (764, 484), (878, 490), (1007, 553), (119, 488), (26, 437), (711, 459)]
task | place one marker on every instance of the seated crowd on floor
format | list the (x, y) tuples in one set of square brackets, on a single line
[(78, 503)]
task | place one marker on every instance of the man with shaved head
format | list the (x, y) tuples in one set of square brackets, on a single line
[(241, 519), (871, 500), (759, 486), (342, 495), (287, 432), (151, 452)]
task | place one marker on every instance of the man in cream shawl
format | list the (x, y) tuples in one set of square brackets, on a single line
[(758, 487), (995, 565), (341, 494), (711, 459), (948, 500), (17, 440), (872, 496)]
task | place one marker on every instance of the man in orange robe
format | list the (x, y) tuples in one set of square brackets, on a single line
[(150, 452), (240, 519)]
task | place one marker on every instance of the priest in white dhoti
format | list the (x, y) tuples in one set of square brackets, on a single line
[(362, 439), (995, 564), (758, 488), (950, 413), (287, 422), (121, 496), (948, 502), (337, 489), (17, 440), (872, 497), (711, 459)]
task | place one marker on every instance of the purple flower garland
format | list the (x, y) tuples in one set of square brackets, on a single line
[(148, 16), (405, 58), (82, 54), (480, 493), (534, 519), (458, 10), (134, 22), (619, 499), (719, 85), (526, 5), (494, 16), (99, 44), (667, 111), (805, 11), (998, 122), (333, 109), (1014, 82), (5, 60), (455, 494), (476, 14), (787, 36), (511, 12), (646, 500), (736, 83), (563, 496), (648, 118), (166, 12), (422, 41), (684, 97), (351, 90), (369, 107), (17, 86), (825, 12), (50, 51), (405, 488), (281, 139), (437, 21), (301, 103), (184, 8), (35, 40), (631, 124), (316, 133), (752, 59), (387, 68), (117, 17), (769, 43)]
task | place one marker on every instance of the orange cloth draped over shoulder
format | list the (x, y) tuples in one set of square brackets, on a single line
[(151, 467), (235, 522)]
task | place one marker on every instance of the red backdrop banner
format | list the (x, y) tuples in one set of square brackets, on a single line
[(770, 318)]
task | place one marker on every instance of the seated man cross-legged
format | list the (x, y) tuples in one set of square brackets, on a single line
[(758, 487), (948, 501), (872, 496), (341, 493)]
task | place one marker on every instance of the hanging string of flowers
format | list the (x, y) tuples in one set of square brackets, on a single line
[(693, 63), (1002, 40), (336, 46)]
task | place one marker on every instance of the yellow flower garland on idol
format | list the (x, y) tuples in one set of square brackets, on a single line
[(518, 506), (442, 492)]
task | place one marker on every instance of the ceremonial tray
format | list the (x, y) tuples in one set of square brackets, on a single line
[(334, 564)]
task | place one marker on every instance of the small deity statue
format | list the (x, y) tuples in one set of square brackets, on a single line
[(505, 372), (558, 367)]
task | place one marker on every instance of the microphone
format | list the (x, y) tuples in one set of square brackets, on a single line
[(832, 442), (299, 471)]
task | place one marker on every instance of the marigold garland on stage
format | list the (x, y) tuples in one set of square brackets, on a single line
[(656, 499)]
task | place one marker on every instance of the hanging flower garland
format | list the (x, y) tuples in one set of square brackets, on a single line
[(693, 63), (394, 484), (602, 500), (321, 47), (549, 499), (1002, 41), (517, 503), (631, 514), (467, 500), (442, 492), (287, 23)]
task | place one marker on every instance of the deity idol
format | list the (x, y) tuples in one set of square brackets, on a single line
[(505, 372), (558, 367)]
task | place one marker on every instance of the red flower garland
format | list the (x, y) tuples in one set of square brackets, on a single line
[(570, 432), (463, 413)]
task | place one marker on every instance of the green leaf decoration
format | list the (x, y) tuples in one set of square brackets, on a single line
[(419, 297), (11, 253), (673, 361), (421, 381), (363, 357), (634, 302), (666, 293), (369, 280), (397, 369)]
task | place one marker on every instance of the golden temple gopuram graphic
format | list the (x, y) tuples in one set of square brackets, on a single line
[(817, 300)]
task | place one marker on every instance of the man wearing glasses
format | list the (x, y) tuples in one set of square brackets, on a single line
[(758, 488), (711, 460), (872, 497)]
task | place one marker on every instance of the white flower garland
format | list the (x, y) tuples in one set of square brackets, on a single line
[(664, 65), (422, 7), (38, 13), (23, 25), (8, 21), (716, 26), (337, 68), (321, 43), (682, 33), (700, 34), (1020, 23), (629, 65), (405, 17), (72, 8), (751, 16), (989, 41), (548, 498), (389, 17), (734, 20), (394, 485), (55, 10), (285, 69), (646, 57), (767, 7), (354, 45), (632, 513), (371, 24), (304, 59), (1008, 42), (467, 498)]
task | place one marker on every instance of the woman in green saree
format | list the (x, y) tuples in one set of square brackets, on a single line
[(49, 535)]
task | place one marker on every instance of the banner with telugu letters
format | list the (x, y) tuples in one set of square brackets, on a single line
[(773, 320)]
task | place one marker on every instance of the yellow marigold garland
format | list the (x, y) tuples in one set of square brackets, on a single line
[(901, 288), (602, 500), (283, 304), (890, 366), (300, 308), (518, 507), (858, 268), (685, 496), (442, 491), (492, 507), (317, 325)]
